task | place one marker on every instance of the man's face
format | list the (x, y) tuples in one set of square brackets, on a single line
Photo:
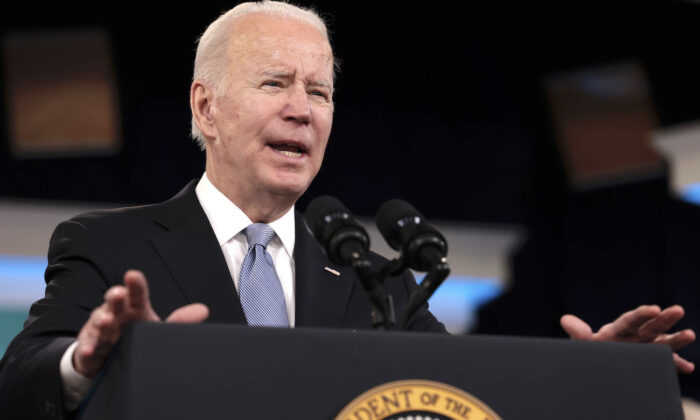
[(273, 113)]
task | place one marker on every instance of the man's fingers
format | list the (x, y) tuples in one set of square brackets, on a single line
[(682, 365), (104, 323), (676, 340), (138, 302), (115, 298), (123, 305), (101, 326), (193, 313), (89, 358), (626, 327), (95, 340), (660, 323), (137, 290), (576, 327), (647, 323)]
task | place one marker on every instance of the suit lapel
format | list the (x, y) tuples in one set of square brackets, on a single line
[(321, 296), (190, 251)]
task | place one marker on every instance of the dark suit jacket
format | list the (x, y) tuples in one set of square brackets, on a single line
[(175, 247)]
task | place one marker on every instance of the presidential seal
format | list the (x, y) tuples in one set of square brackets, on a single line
[(416, 400)]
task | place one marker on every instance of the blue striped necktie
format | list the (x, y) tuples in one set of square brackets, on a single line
[(259, 287)]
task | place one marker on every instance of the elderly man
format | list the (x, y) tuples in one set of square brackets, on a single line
[(262, 105), (229, 248)]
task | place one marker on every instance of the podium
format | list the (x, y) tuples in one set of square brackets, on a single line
[(209, 371)]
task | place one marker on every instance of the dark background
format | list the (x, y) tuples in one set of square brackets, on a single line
[(439, 105)]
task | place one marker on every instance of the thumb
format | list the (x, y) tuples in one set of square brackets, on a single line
[(193, 313), (576, 327)]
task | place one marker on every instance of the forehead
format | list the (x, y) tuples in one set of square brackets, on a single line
[(260, 39)]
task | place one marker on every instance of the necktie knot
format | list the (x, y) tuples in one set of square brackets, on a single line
[(259, 234)]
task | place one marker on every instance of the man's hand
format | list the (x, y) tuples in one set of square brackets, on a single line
[(646, 324), (123, 305)]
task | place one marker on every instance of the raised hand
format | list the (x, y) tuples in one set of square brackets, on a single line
[(646, 324), (123, 305)]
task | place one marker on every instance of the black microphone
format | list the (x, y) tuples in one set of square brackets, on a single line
[(346, 242), (343, 237), (422, 246)]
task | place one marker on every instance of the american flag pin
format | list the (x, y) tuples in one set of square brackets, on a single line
[(330, 270)]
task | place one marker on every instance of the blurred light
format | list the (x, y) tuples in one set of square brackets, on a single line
[(21, 283), (455, 302), (11, 322), (691, 193), (21, 280)]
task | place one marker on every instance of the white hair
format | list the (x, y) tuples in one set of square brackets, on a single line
[(211, 61)]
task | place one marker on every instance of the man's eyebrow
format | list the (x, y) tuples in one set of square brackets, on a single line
[(276, 73), (286, 74), (320, 83)]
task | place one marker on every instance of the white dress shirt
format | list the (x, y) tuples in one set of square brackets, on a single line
[(228, 222)]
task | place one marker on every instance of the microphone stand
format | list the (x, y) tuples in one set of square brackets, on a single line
[(350, 251), (383, 314), (438, 272), (432, 280)]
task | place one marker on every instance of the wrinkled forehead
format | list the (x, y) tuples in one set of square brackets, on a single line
[(261, 37)]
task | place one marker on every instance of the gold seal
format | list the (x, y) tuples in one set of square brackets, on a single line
[(416, 399)]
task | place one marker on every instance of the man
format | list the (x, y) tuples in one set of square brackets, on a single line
[(262, 105)]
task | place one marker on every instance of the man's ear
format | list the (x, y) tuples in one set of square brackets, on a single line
[(201, 103)]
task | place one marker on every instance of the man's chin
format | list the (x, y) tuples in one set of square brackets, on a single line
[(285, 183), (290, 189)]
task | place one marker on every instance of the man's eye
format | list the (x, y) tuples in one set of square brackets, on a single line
[(272, 83), (319, 93)]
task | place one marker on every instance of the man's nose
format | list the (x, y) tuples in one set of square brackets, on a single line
[(298, 107)]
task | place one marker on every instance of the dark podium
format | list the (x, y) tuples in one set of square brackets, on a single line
[(175, 371)]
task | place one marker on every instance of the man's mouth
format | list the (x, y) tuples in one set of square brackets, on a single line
[(289, 149)]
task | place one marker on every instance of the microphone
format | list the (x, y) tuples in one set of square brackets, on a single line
[(422, 247), (346, 242), (343, 237)]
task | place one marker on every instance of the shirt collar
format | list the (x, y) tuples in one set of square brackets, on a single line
[(228, 220)]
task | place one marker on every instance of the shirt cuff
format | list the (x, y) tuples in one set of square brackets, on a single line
[(75, 385)]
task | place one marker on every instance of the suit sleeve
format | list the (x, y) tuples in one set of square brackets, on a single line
[(77, 276)]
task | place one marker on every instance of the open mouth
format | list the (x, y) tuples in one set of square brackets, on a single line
[(289, 149)]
